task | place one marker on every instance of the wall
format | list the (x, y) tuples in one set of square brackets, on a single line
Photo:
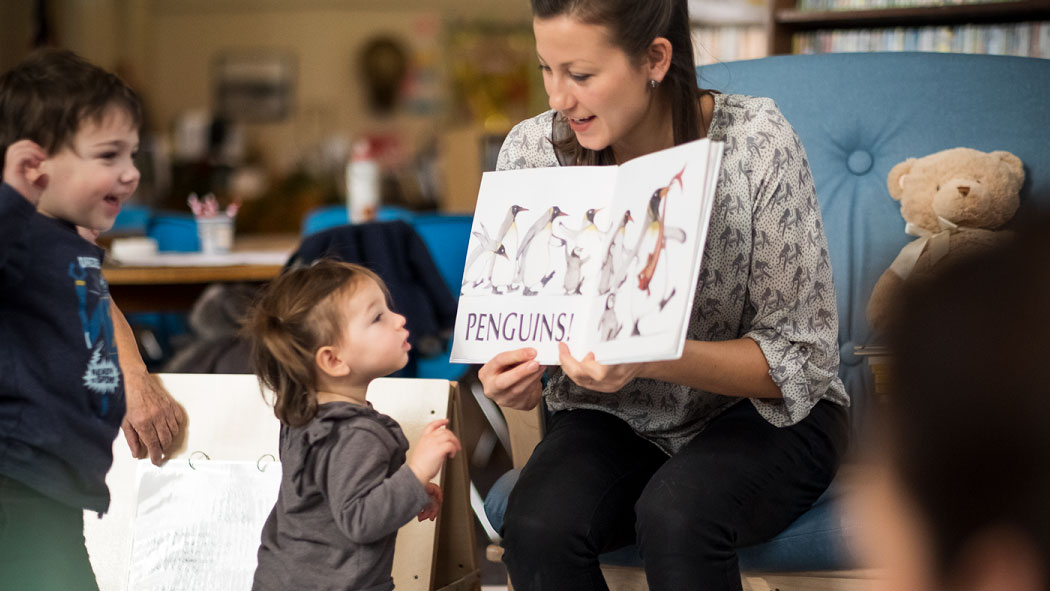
[(15, 32), (166, 48), (186, 35)]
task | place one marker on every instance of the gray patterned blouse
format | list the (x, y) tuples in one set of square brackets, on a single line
[(765, 275)]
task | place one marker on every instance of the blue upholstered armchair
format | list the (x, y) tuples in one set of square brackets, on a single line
[(859, 115)]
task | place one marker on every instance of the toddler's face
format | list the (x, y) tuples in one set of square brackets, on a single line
[(89, 180), (374, 339)]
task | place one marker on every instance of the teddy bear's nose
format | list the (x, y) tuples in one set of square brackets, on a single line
[(964, 191)]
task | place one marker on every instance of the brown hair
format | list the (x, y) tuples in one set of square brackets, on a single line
[(632, 26), (967, 424), (49, 95), (296, 315)]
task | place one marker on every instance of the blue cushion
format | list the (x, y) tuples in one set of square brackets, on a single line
[(132, 219), (329, 216), (820, 539), (324, 217), (446, 237), (174, 232)]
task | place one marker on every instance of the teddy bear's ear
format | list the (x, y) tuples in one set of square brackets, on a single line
[(1013, 163), (894, 182)]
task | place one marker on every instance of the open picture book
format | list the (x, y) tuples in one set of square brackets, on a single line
[(603, 258)]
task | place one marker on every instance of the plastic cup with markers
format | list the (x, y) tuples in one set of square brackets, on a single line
[(214, 226)]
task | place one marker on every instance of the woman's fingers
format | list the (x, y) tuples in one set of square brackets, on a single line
[(591, 374), (512, 358), (511, 378)]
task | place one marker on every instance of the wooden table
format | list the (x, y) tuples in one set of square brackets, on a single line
[(159, 285)]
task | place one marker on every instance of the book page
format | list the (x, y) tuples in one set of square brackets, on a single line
[(605, 259), (197, 528), (651, 261), (526, 281)]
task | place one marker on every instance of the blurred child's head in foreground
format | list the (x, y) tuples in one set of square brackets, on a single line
[(963, 461)]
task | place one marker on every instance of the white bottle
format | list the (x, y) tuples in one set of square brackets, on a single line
[(362, 183)]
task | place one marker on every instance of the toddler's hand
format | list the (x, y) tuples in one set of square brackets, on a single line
[(436, 443), (22, 169), (434, 505)]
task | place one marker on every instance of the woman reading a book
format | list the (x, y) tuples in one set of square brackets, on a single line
[(726, 446)]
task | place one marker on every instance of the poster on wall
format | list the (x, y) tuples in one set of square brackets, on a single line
[(254, 86)]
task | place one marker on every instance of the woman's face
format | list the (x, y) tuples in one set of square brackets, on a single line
[(602, 92)]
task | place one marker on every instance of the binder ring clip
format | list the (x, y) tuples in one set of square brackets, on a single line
[(259, 463), (194, 455)]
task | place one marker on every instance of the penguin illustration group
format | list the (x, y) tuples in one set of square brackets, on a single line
[(585, 259), (655, 285)]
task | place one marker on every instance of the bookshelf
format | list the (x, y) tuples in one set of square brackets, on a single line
[(786, 20), (728, 30)]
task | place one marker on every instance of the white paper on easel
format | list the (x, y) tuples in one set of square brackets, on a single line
[(198, 528)]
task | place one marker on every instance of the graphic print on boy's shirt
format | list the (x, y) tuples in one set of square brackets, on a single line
[(102, 374)]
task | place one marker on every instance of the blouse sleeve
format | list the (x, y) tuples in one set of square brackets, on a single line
[(790, 289), (528, 145)]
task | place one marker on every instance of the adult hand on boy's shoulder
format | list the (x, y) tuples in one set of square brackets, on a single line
[(22, 169), (154, 424)]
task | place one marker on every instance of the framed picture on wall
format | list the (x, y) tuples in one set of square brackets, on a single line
[(254, 86)]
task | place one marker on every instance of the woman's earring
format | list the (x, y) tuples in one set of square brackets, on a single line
[(653, 83)]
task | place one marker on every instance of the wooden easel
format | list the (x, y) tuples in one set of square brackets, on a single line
[(230, 420), (450, 541)]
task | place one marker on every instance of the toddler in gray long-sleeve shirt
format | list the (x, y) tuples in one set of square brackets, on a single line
[(320, 335)]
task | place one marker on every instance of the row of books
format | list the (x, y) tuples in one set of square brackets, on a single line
[(728, 43), (822, 5), (1030, 39)]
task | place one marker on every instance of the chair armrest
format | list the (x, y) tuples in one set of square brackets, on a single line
[(526, 430)]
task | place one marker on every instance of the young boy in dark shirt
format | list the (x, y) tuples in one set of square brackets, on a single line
[(68, 135)]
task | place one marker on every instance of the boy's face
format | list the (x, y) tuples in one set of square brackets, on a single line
[(88, 180), (374, 341)]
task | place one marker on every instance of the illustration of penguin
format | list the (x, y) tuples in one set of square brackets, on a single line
[(507, 234), (588, 239), (614, 259), (574, 277), (654, 278), (498, 263), (502, 272), (479, 273), (534, 258), (476, 267), (609, 325)]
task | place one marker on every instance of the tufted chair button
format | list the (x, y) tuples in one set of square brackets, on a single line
[(846, 356), (859, 162)]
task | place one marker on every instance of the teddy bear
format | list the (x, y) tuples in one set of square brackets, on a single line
[(953, 202)]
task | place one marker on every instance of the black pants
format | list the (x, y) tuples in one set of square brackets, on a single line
[(592, 485), (41, 542)]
